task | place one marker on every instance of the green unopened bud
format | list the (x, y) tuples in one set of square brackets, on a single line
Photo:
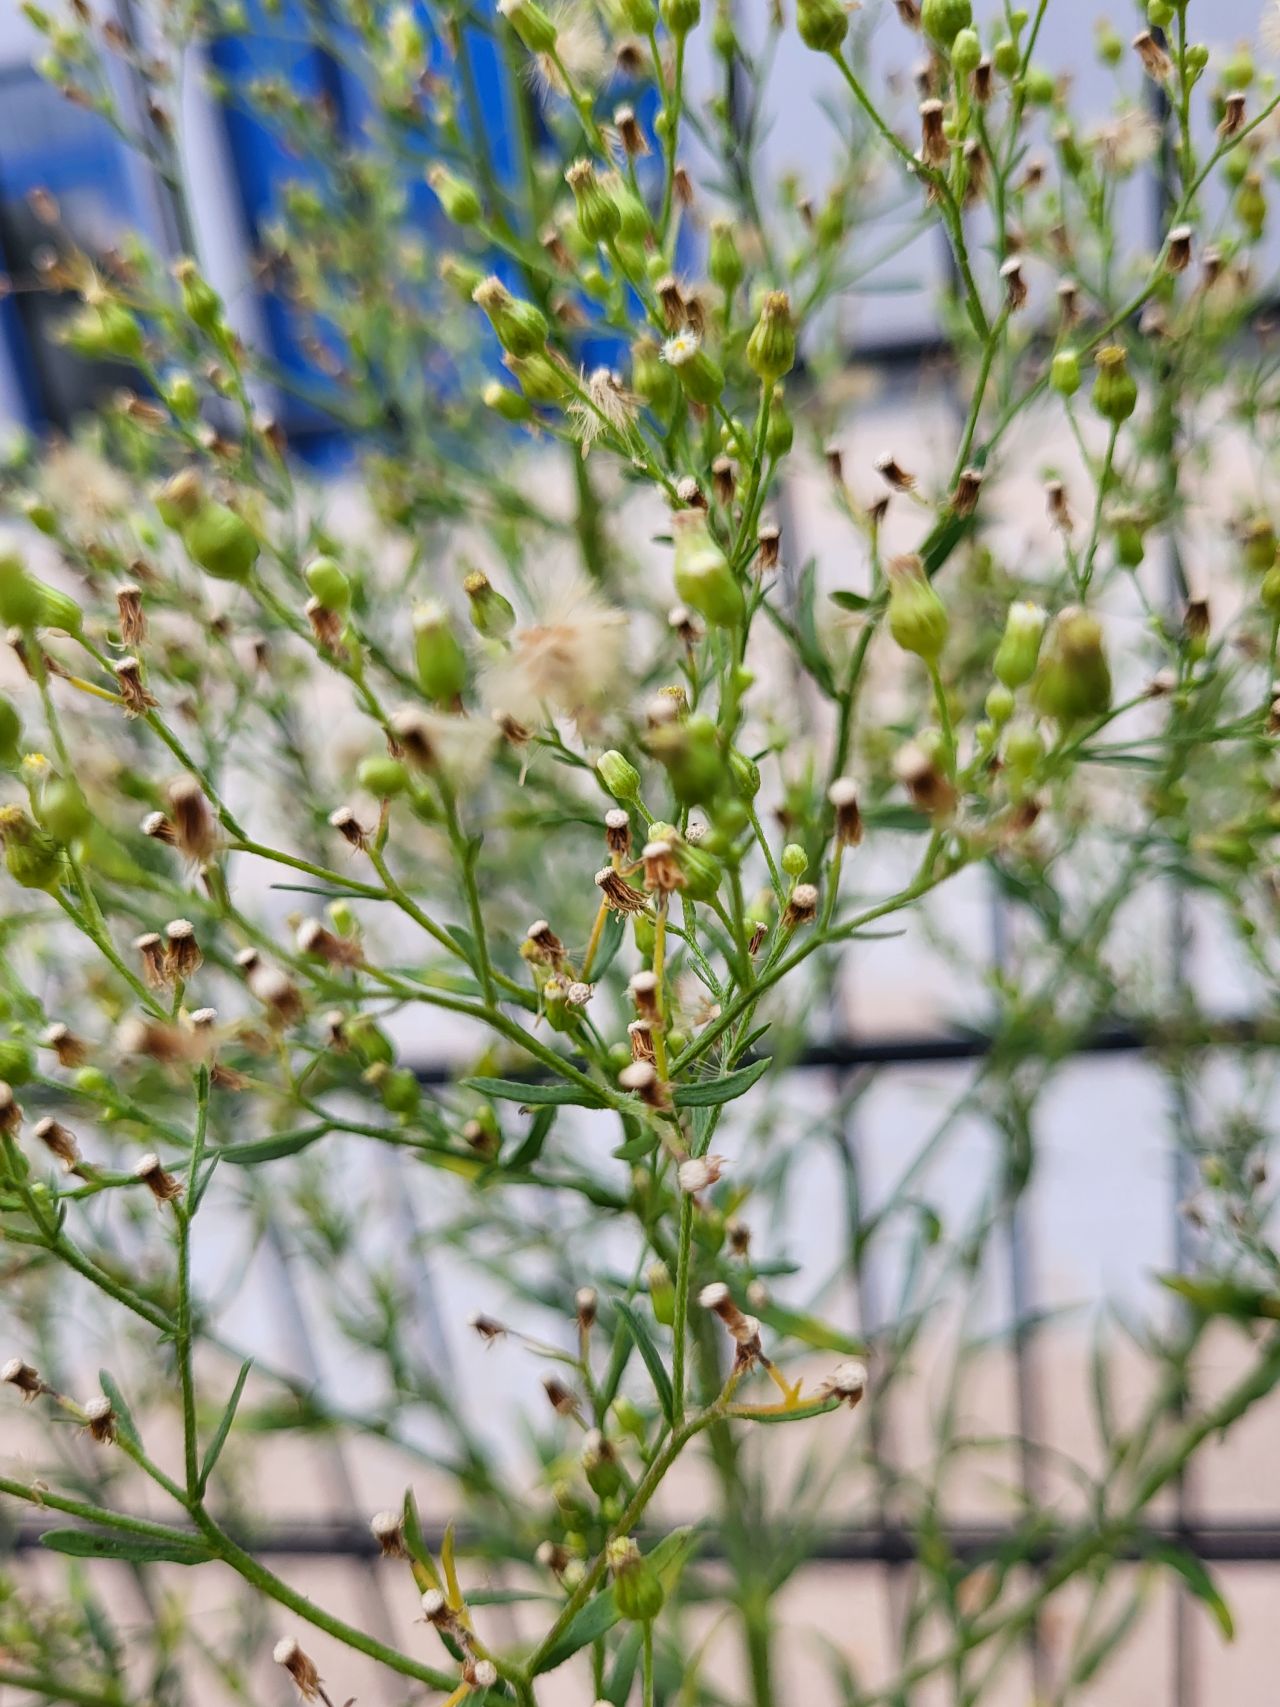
[(681, 16), (704, 578), (42, 516), (917, 616), (1115, 391), (1251, 206), (382, 775), (1269, 592), (179, 499), (771, 348), (823, 24), (637, 1587), (20, 602), (181, 395), (1258, 545), (641, 15), (1023, 751), (652, 378), (441, 662), (942, 20), (629, 1418), (662, 1293), (780, 432), (1237, 69), (10, 735), (105, 331), (521, 326), (600, 1465), (1109, 45), (689, 750), (58, 609), (31, 856), (701, 376), (491, 614), (1073, 679), (1064, 374), (619, 775), (511, 405), (400, 1092), (329, 583), (599, 218), (1019, 648), (636, 226), (795, 861), (1130, 546), (459, 199), (64, 812), (999, 705), (460, 276), (221, 542), (724, 259), (200, 301), (1039, 86), (531, 24), (745, 773), (542, 379), (966, 52), (17, 1062)]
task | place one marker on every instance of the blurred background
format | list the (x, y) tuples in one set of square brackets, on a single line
[(902, 1037)]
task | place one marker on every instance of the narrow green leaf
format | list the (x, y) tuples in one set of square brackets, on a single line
[(125, 1424), (639, 1330), (611, 940), (707, 1093), (534, 1140), (532, 1093), (600, 1614), (850, 601), (1196, 1576), (809, 1330), (273, 1148), (132, 1549), (214, 1450)]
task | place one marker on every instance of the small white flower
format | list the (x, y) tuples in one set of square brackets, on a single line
[(681, 348)]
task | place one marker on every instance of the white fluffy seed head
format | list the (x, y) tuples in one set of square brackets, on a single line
[(715, 1296)]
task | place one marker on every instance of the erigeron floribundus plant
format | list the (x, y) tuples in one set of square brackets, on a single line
[(577, 678)]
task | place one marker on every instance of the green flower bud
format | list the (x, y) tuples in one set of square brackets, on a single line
[(1023, 751), (626, 1413), (200, 302), (460, 276), (530, 23), (20, 602), (662, 1293), (1237, 69), (1019, 649), (619, 775), (641, 15), (771, 348), (652, 378), (542, 379), (441, 662), (329, 584), (182, 397), (637, 1587), (17, 1061), (701, 376), (681, 16), (1258, 545), (823, 24), (105, 331), (1115, 391), (1064, 374), (701, 870), (942, 20), (795, 861), (521, 326), (999, 705), (459, 199), (599, 219), (1251, 206), (92, 1081), (1006, 57), (645, 936), (221, 542), (724, 260), (10, 735), (966, 52), (689, 750), (491, 614), (1269, 592), (367, 1041), (600, 1465), (1073, 679), (745, 773), (704, 578), (780, 432), (42, 516), (917, 616), (636, 224), (1039, 86), (64, 812), (382, 775), (179, 499), (511, 405), (1130, 547), (400, 1092), (58, 609), (31, 856), (1110, 47)]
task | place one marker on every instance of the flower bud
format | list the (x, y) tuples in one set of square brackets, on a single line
[(20, 603), (641, 15), (521, 326), (1064, 374), (662, 1293), (531, 24), (511, 405), (966, 52), (31, 856), (771, 348), (701, 376), (704, 579), (10, 735), (459, 199), (492, 615), (823, 24), (64, 812), (221, 542), (441, 662), (329, 584), (795, 861), (779, 434), (1073, 680), (599, 217), (917, 616), (1115, 391), (689, 749), (652, 378), (724, 260), (1019, 648), (942, 20), (200, 301), (681, 16), (105, 331), (619, 775), (637, 1588)]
